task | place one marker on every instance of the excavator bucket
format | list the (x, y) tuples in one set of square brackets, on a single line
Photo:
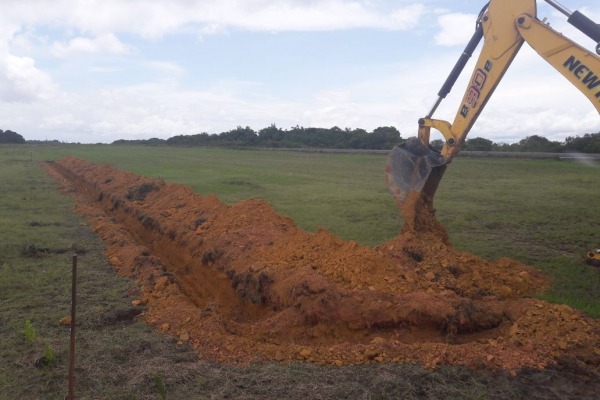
[(409, 166)]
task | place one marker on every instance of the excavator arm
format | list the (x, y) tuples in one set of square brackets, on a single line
[(414, 169)]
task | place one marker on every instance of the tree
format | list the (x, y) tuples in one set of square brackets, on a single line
[(539, 144), (9, 136), (270, 133), (437, 144), (386, 137), (239, 136), (589, 143), (271, 136), (506, 147), (479, 144)]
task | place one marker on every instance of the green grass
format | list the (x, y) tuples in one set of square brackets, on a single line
[(542, 212), (35, 293)]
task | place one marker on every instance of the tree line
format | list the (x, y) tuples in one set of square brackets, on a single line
[(382, 138), (297, 137), (588, 143)]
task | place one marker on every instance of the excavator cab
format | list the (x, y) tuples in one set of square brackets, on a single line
[(414, 168)]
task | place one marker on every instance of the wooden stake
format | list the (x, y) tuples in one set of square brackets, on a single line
[(71, 395)]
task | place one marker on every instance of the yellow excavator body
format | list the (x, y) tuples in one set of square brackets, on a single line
[(414, 169), (593, 258)]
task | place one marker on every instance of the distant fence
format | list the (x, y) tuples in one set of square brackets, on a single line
[(518, 154), (465, 153)]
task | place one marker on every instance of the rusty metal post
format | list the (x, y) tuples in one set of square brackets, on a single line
[(71, 395)]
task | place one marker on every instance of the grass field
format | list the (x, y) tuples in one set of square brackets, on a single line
[(542, 212)]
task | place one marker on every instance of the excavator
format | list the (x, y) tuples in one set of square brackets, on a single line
[(414, 168), (593, 258)]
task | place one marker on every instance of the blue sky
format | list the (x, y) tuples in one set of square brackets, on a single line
[(96, 71)]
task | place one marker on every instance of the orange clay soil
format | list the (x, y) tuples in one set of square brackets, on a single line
[(241, 283)]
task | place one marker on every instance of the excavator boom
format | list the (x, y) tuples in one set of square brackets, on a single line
[(414, 168)]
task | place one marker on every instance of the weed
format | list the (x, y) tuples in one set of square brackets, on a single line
[(201, 382), (29, 331), (49, 355), (160, 387)]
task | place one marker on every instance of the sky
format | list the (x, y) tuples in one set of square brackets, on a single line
[(94, 71)]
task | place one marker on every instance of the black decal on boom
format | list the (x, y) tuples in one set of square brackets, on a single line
[(571, 63), (591, 80)]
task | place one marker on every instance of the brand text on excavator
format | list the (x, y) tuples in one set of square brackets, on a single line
[(579, 69), (474, 91)]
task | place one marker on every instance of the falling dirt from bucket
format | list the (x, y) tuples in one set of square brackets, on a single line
[(242, 283)]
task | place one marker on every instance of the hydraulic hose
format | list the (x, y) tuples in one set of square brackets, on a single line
[(580, 21), (458, 67)]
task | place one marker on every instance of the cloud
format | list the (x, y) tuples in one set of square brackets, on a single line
[(407, 17), (21, 81), (156, 18), (166, 108), (61, 121), (311, 16), (168, 68), (107, 43), (456, 29)]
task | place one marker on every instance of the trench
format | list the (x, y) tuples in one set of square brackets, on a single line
[(241, 282), (198, 283)]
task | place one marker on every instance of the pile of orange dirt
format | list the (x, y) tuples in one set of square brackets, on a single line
[(242, 283)]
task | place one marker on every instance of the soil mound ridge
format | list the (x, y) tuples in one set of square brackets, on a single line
[(242, 283)]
